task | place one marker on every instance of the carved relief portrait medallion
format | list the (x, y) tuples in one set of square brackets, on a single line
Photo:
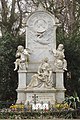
[(40, 25)]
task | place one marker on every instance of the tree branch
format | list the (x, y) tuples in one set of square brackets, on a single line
[(12, 17), (4, 11), (20, 24)]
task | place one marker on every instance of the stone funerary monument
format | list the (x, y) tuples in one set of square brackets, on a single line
[(40, 65)]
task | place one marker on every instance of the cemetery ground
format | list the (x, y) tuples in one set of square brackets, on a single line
[(69, 109)]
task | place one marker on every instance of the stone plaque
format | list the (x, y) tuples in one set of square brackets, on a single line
[(40, 37), (38, 97)]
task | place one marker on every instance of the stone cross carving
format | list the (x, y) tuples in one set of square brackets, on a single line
[(22, 58), (34, 98)]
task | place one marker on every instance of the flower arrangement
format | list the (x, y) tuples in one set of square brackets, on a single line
[(62, 106), (16, 106)]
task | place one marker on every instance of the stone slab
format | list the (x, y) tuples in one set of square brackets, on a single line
[(46, 95), (40, 39)]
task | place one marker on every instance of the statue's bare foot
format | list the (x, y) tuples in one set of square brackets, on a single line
[(15, 69), (65, 69)]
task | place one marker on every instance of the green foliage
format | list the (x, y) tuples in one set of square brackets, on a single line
[(66, 114), (73, 102), (72, 53), (8, 78)]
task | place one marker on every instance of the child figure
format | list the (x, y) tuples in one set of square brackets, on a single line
[(22, 56), (60, 61)]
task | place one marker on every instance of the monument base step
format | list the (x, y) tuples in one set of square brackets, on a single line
[(40, 96)]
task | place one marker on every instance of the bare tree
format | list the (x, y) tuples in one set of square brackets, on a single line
[(14, 15)]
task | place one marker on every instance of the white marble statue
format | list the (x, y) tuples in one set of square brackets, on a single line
[(60, 61), (22, 58), (43, 77)]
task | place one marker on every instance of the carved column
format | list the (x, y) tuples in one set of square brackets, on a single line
[(60, 90), (21, 86)]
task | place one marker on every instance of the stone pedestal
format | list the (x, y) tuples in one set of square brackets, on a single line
[(21, 86), (40, 95), (60, 95), (60, 90), (59, 80), (22, 79), (20, 96)]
